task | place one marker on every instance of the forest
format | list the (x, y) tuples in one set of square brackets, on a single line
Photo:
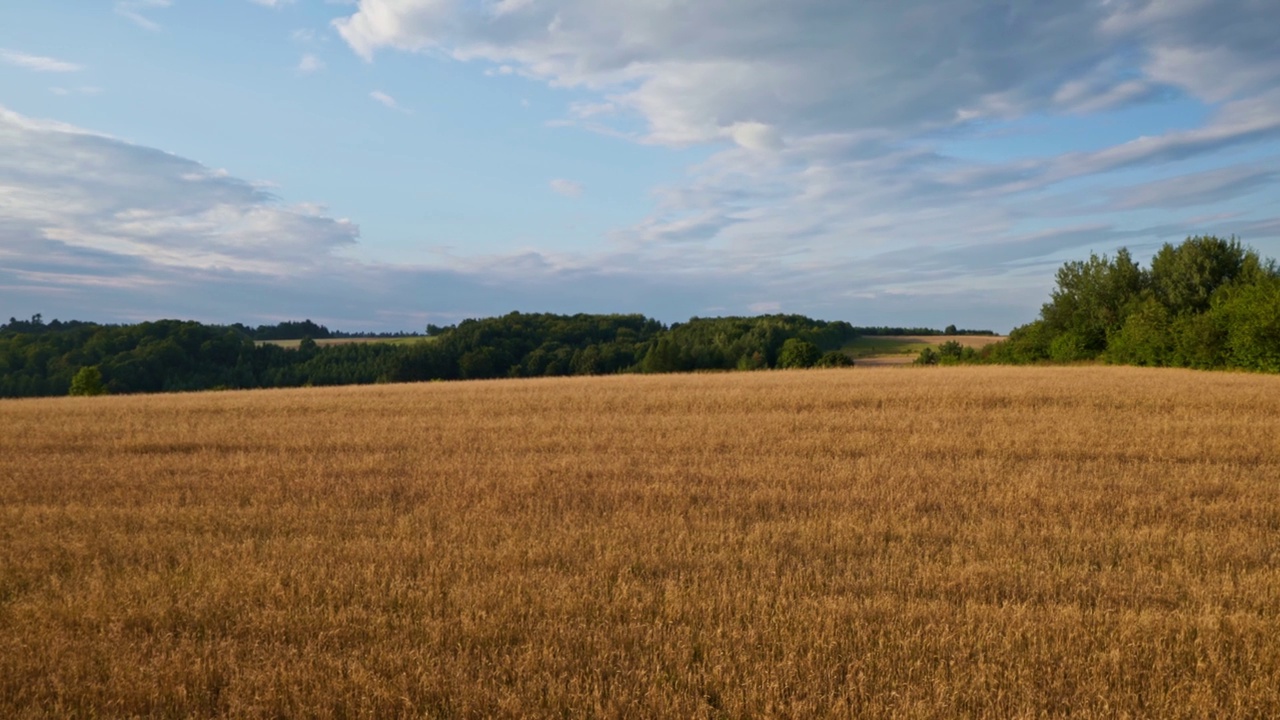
[(54, 358)]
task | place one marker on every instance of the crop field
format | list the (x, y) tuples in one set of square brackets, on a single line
[(918, 542)]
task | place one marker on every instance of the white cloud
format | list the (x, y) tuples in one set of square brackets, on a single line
[(91, 194), (38, 63), (310, 63), (134, 9), (387, 100), (695, 70), (834, 110), (567, 188), (272, 3)]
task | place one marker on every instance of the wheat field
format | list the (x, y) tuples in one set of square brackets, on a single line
[(918, 542)]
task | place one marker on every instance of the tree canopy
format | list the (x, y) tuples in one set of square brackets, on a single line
[(38, 358), (1206, 303)]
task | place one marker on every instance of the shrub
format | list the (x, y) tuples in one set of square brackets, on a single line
[(834, 359), (87, 382)]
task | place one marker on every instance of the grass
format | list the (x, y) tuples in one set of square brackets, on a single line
[(976, 541), (872, 346)]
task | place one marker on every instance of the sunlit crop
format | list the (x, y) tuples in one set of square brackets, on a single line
[(995, 542)]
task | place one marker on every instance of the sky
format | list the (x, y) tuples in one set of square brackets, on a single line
[(384, 164)]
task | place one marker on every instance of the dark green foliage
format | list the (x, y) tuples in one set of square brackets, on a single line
[(797, 353), (1248, 318), (834, 359), (287, 331), (1184, 278), (741, 343), (1207, 303), (170, 355), (1089, 304)]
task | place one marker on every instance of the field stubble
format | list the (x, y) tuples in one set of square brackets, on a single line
[(1100, 542)]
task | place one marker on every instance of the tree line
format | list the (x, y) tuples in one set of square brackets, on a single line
[(41, 359), (1207, 303)]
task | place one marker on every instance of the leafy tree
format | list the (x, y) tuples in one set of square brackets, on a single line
[(663, 357), (1089, 303), (1185, 277), (1206, 303), (1146, 337), (88, 382), (1251, 316), (797, 353)]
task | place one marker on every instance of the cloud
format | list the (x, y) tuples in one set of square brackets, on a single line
[(272, 3), (1202, 188), (831, 121), (695, 70), (96, 227), (133, 10), (38, 62), (88, 194), (567, 188), (310, 64), (387, 101)]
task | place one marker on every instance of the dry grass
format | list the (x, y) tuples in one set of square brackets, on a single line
[(961, 542)]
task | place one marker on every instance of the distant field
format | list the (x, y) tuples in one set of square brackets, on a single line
[(900, 349), (293, 344), (942, 542)]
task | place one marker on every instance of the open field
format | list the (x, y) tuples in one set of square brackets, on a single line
[(934, 542), (293, 344), (878, 350)]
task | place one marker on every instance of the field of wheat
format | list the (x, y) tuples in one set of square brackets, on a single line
[(955, 542)]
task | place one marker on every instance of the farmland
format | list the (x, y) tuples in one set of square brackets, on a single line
[(972, 541), (878, 350)]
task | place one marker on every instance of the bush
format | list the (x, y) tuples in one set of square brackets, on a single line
[(834, 359), (87, 382)]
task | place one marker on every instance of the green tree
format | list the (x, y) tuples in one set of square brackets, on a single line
[(1090, 303), (797, 353), (663, 357), (1250, 317), (1185, 277), (88, 381), (1146, 337)]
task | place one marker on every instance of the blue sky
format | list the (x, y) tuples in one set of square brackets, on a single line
[(383, 164)]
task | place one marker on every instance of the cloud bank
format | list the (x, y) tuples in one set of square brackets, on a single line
[(901, 163)]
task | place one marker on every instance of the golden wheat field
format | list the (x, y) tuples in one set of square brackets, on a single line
[(933, 542)]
